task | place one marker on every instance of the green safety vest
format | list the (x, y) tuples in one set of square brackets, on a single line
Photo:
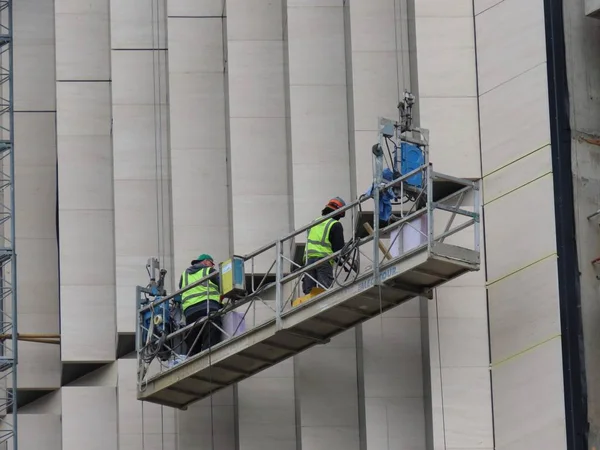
[(208, 290), (317, 242)]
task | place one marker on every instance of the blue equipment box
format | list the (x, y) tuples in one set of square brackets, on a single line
[(410, 158)]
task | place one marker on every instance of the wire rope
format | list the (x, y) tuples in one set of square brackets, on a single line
[(155, 26)]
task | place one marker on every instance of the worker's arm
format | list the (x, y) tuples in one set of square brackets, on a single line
[(336, 236), (180, 281), (216, 279)]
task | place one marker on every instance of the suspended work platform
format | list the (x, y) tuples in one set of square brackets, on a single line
[(311, 323), (446, 247)]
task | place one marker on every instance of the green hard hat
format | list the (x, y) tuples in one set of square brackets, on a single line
[(204, 257)]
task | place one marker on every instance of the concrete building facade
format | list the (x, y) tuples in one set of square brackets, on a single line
[(172, 128)]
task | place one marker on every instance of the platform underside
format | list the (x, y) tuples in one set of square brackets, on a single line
[(314, 322)]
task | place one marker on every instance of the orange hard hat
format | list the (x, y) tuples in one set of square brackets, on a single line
[(336, 203)]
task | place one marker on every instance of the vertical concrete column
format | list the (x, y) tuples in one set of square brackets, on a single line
[(326, 382), (141, 160), (524, 319), (141, 424), (447, 85), (318, 105), (260, 195), (458, 334), (35, 190), (85, 182), (89, 407), (391, 351), (257, 125), (198, 131), (43, 416), (197, 80), (391, 370)]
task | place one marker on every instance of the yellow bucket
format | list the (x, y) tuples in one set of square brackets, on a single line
[(313, 293)]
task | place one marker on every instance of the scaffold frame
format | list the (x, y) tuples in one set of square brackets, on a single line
[(8, 259)]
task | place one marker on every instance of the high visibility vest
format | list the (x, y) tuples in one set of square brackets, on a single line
[(318, 244), (207, 290)]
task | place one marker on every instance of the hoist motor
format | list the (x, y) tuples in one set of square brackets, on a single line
[(158, 321), (407, 156)]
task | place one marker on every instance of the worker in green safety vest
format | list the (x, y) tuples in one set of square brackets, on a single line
[(199, 302), (323, 239)]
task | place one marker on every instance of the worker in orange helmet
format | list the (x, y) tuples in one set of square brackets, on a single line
[(324, 239)]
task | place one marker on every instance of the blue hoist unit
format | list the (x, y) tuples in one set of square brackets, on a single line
[(159, 320), (408, 157)]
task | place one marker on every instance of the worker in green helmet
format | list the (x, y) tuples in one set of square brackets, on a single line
[(323, 239), (199, 301)]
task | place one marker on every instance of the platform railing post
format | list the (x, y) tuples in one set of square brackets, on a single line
[(278, 287), (138, 296), (377, 177), (138, 331), (477, 210), (430, 233)]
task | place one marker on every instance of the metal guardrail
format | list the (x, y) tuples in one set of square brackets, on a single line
[(287, 273)]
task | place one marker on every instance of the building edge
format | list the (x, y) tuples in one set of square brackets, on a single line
[(574, 376)]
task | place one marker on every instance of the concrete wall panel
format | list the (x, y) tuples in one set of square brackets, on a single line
[(531, 167), (527, 122), (510, 40), (197, 102), (522, 318), (454, 134), (440, 8), (326, 386), (314, 35), (446, 50), (88, 323), (34, 87), (82, 40), (35, 199), (191, 126), (266, 411), (319, 154), (47, 433), (141, 425), (138, 24), (460, 385), (201, 429), (86, 222), (393, 379), (139, 77), (256, 79), (528, 397), (483, 5), (512, 219), (258, 20), (195, 9), (89, 420)]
